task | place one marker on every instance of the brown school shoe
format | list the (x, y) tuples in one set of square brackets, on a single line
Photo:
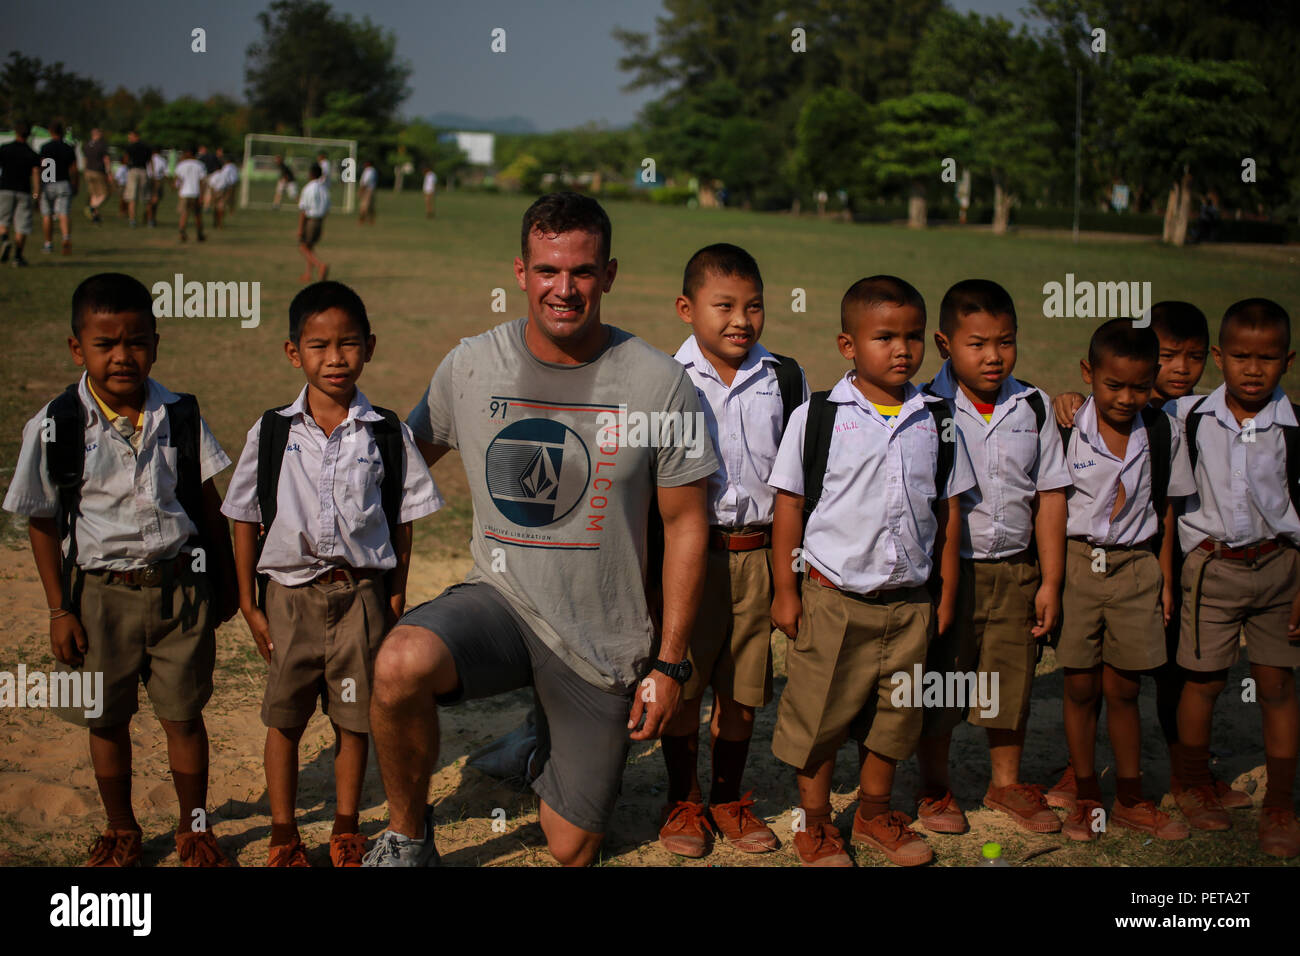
[(821, 844), (1230, 797), (1145, 818), (291, 854), (116, 848), (891, 834), (67, 247), (941, 814), (686, 830), (1066, 792), (1279, 833), (346, 849), (1024, 803), (1078, 823), (200, 849), (1201, 806), (741, 827)]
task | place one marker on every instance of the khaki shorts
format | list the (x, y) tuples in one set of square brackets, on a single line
[(840, 674), (55, 198), (16, 206), (1234, 595), (992, 634), (1111, 615), (326, 635), (129, 641), (731, 643), (96, 186), (137, 185), (311, 232)]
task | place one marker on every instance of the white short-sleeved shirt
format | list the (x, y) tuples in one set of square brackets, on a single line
[(119, 174), (157, 166), (874, 526), (745, 424), (1098, 474), (430, 181), (189, 178), (1013, 460), (130, 517), (328, 505), (369, 177), (1241, 493), (314, 199)]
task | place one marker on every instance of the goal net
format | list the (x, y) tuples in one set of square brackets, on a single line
[(260, 175)]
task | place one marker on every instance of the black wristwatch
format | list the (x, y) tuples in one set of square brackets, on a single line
[(678, 672)]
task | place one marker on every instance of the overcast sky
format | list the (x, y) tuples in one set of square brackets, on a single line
[(560, 68)]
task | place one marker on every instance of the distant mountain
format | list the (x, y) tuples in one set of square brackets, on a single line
[(460, 121)]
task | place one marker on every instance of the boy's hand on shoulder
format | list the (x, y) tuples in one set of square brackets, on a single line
[(68, 640), (1047, 611), (1064, 406), (256, 620), (787, 612)]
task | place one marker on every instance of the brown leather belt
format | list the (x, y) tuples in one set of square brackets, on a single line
[(878, 594), (724, 539), (154, 576), (1251, 552), (346, 574)]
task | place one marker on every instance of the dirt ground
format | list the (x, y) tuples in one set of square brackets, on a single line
[(50, 811)]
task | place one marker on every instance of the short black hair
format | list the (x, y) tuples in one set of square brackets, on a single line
[(720, 259), (1256, 313), (970, 296), (879, 290), (56, 128), (557, 213), (314, 171), (22, 129), (320, 297), (1180, 321), (1120, 338), (110, 292)]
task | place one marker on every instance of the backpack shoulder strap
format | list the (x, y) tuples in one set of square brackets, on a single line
[(1035, 400), (65, 463), (816, 448), (1159, 439), (392, 451), (1291, 443), (941, 412), (183, 425), (271, 442), (1190, 427), (789, 379)]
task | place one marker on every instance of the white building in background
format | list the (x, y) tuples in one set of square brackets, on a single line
[(479, 147)]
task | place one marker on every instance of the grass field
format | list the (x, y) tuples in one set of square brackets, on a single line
[(428, 283)]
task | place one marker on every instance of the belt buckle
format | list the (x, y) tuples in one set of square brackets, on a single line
[(151, 576)]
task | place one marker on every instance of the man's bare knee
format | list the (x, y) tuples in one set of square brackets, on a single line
[(410, 662), (570, 845)]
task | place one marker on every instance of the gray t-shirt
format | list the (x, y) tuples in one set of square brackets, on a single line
[(560, 461)]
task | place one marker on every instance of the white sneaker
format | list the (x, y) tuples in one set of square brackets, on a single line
[(394, 849)]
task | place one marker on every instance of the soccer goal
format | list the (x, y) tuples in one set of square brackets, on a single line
[(259, 181)]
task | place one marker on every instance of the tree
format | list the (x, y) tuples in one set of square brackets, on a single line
[(40, 92), (830, 141), (307, 52), (423, 145), (182, 123), (998, 73), (913, 135), (1188, 121)]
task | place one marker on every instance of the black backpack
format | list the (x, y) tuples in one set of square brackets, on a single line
[(1290, 444), (1160, 445), (789, 381), (817, 446), (274, 438), (65, 463)]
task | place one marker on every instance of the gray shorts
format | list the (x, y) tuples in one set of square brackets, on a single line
[(55, 198), (582, 730), (16, 205)]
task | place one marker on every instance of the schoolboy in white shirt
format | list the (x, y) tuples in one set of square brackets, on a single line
[(1239, 532), (747, 394), (1127, 462), (1012, 551), (313, 205), (336, 552), (878, 480)]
